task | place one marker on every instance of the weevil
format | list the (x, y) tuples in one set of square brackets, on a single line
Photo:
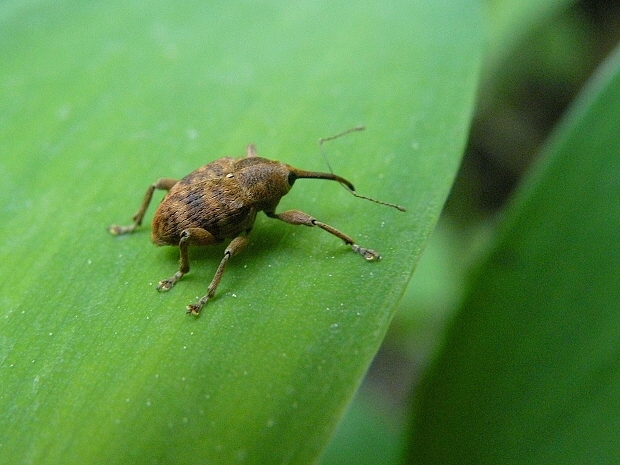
[(220, 201)]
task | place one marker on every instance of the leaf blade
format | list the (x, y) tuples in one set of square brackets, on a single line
[(529, 372), (97, 366)]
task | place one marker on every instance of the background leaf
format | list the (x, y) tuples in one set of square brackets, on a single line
[(530, 373), (509, 23), (98, 100)]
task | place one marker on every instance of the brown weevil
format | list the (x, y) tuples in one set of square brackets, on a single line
[(220, 201)]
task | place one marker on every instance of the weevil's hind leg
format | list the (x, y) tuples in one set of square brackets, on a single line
[(251, 151), (189, 236), (235, 246), (297, 217), (161, 184)]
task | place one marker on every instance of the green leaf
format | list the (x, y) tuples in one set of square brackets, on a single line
[(100, 99), (530, 372)]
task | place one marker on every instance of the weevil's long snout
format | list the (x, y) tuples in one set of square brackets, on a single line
[(297, 173)]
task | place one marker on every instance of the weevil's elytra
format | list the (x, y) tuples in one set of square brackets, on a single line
[(220, 201)]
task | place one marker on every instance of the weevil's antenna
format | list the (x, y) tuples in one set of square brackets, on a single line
[(340, 134), (380, 202), (355, 194)]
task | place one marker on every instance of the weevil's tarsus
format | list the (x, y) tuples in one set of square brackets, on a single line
[(167, 284), (368, 254)]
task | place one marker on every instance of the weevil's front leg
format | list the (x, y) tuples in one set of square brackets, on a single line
[(189, 236), (297, 217), (163, 184), (235, 246)]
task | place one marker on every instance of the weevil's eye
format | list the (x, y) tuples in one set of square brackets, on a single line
[(292, 177)]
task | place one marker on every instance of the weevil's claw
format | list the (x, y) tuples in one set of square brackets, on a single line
[(194, 309), (166, 284), (118, 230), (368, 254)]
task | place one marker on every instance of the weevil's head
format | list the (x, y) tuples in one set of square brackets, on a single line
[(263, 181)]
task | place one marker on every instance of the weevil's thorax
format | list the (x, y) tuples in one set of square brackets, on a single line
[(264, 182)]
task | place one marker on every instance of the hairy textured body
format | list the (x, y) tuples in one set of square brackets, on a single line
[(222, 198), (220, 201)]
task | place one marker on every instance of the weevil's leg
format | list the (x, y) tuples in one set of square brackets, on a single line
[(189, 236), (162, 184), (297, 217), (235, 246), (251, 151)]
